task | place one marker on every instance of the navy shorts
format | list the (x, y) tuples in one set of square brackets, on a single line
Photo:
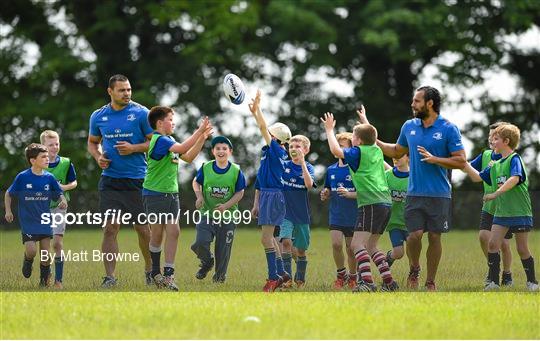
[(430, 214), (122, 195), (167, 203), (398, 237), (271, 207), (34, 237), (486, 222), (373, 218), (347, 231)]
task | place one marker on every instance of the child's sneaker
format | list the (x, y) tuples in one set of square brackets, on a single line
[(430, 286), (169, 283), (491, 286), (45, 282), (412, 280), (339, 283), (108, 282), (271, 285), (390, 287), (352, 282), (299, 283), (506, 280), (27, 267), (286, 281), (159, 280), (58, 285), (365, 287), (148, 278), (532, 286), (204, 269), (389, 259)]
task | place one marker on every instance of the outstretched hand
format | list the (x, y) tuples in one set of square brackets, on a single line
[(255, 103), (328, 121), (362, 117)]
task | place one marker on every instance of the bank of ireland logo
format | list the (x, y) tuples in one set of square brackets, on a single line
[(293, 180), (117, 130), (131, 117), (437, 136)]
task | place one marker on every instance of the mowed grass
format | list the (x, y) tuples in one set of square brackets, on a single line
[(238, 310)]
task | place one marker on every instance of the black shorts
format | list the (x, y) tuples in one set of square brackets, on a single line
[(429, 214), (34, 237), (123, 195), (373, 218), (166, 203), (486, 221), (347, 231)]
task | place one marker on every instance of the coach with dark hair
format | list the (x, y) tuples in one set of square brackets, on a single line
[(122, 129), (434, 146)]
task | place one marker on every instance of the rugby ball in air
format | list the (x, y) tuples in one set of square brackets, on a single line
[(234, 89)]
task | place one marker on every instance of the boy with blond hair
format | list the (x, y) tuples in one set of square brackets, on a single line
[(366, 163), (64, 172), (481, 162), (513, 212), (298, 178), (339, 189)]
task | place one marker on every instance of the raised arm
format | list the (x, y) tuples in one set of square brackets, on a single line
[(329, 124), (182, 148), (255, 109)]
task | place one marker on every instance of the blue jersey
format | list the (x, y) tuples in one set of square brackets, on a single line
[(295, 192), (440, 139), (271, 169), (129, 124), (342, 211), (34, 194)]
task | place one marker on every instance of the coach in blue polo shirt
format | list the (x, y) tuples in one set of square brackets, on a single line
[(434, 146), (123, 130)]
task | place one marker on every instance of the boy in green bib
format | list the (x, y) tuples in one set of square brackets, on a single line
[(64, 172), (398, 182), (482, 161), (160, 188), (218, 186), (509, 184), (366, 165)]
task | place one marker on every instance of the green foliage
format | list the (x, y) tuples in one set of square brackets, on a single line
[(378, 46)]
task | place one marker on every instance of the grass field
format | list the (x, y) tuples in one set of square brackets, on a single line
[(237, 309)]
